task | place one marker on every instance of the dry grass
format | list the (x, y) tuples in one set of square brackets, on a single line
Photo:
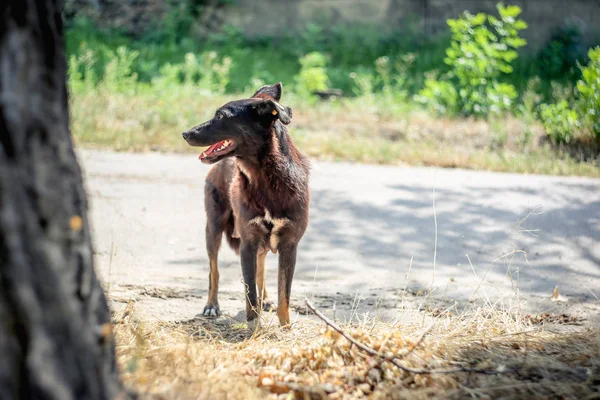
[(364, 130), (200, 359)]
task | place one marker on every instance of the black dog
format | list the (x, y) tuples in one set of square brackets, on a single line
[(258, 195)]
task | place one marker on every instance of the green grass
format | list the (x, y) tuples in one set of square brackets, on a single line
[(357, 130), (139, 95)]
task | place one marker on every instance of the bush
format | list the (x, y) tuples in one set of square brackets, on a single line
[(118, 72), (271, 59), (562, 53), (81, 72), (563, 119), (440, 96), (589, 92), (482, 49), (204, 72), (560, 121), (363, 83), (313, 75), (531, 98), (117, 75), (392, 76)]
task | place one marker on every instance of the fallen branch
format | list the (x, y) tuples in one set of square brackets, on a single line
[(393, 359)]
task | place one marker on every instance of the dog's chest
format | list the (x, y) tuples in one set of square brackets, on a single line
[(269, 228)]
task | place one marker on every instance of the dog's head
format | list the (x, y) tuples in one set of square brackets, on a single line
[(242, 127)]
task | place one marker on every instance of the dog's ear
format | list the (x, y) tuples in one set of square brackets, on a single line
[(270, 91), (269, 110)]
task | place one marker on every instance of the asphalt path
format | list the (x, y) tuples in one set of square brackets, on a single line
[(374, 230)]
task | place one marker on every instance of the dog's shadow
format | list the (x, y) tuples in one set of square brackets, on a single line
[(230, 329)]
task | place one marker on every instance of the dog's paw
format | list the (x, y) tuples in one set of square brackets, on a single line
[(254, 324), (211, 311), (268, 305)]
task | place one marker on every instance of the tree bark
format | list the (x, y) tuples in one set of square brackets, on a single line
[(55, 336)]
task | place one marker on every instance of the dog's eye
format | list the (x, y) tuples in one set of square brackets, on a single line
[(219, 115)]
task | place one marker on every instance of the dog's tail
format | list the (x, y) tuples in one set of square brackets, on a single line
[(234, 242)]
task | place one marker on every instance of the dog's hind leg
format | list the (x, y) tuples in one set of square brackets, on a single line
[(287, 265), (248, 255), (266, 304)]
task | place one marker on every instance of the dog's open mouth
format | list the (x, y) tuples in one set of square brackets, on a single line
[(218, 149)]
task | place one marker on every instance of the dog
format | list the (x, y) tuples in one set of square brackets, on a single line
[(257, 193)]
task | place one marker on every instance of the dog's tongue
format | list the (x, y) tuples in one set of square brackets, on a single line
[(208, 151)]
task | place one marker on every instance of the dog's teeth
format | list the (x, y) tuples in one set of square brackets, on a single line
[(225, 144)]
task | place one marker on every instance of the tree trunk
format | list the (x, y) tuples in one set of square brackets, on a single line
[(55, 336)]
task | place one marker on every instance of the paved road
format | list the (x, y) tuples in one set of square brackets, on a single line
[(367, 223)]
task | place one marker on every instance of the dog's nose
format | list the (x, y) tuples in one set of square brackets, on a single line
[(185, 135)]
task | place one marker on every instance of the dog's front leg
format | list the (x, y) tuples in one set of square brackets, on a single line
[(248, 257), (287, 265)]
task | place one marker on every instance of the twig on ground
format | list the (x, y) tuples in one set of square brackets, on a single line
[(491, 264), (406, 276), (594, 295), (435, 244), (108, 277), (435, 238), (393, 359), (526, 332)]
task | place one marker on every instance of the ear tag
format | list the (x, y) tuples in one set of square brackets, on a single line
[(274, 112)]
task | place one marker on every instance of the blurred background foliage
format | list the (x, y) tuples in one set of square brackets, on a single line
[(479, 67)]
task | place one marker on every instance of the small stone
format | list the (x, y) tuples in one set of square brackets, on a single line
[(375, 375), (266, 382), (365, 388)]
